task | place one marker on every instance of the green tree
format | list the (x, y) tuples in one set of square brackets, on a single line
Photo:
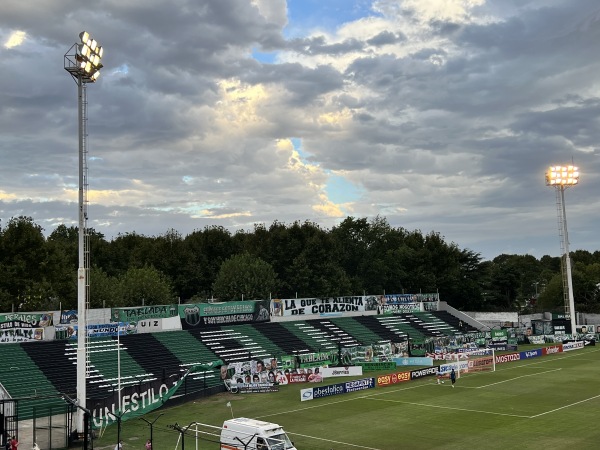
[(208, 248), (24, 260), (244, 276), (104, 289), (143, 286)]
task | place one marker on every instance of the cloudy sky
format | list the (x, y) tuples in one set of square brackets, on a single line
[(440, 115)]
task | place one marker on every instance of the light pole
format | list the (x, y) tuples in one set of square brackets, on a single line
[(561, 178), (82, 61)]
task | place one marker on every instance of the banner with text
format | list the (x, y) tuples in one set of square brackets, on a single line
[(319, 306), (24, 327), (143, 312), (337, 389), (226, 313)]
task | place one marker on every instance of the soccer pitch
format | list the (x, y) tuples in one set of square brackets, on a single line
[(549, 402)]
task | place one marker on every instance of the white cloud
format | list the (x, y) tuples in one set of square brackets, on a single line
[(15, 39)]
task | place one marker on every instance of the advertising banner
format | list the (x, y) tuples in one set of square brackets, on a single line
[(342, 371), (336, 389), (568, 346), (507, 358), (427, 372), (531, 353), (552, 349), (394, 378), (416, 361)]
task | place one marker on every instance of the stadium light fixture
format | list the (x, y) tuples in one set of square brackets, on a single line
[(83, 61), (561, 178)]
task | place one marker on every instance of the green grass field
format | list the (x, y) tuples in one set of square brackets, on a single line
[(549, 402)]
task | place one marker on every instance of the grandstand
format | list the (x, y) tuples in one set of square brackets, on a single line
[(41, 372)]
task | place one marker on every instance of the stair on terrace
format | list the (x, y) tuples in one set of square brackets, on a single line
[(399, 323), (431, 325), (357, 330), (107, 365), (286, 340), (229, 344), (454, 322), (333, 334), (308, 335), (189, 352), (383, 330), (266, 340)]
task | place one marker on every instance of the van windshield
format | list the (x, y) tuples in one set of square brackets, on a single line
[(279, 442)]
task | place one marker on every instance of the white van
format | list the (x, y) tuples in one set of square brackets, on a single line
[(251, 434)]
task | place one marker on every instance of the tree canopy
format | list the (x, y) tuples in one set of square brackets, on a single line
[(358, 256)]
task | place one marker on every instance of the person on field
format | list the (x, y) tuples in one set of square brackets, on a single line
[(440, 377), (453, 377)]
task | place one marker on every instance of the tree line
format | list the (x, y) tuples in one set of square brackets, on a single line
[(358, 256)]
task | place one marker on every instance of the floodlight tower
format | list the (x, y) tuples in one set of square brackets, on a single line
[(561, 178), (82, 61)]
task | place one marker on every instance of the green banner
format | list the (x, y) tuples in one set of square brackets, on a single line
[(143, 312), (217, 309), (317, 359), (495, 334), (26, 320), (373, 366)]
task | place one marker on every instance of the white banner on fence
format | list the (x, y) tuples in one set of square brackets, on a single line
[(310, 306), (341, 371)]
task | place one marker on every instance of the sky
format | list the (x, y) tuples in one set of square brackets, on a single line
[(439, 115)]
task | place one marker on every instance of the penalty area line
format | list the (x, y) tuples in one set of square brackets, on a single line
[(448, 407), (516, 378), (566, 406)]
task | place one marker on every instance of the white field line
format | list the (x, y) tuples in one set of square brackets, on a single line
[(566, 406), (346, 444), (448, 407), (428, 383), (516, 378)]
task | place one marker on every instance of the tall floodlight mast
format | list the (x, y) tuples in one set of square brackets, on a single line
[(561, 178), (82, 61)]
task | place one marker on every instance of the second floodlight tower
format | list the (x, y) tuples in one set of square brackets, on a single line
[(83, 62), (561, 178)]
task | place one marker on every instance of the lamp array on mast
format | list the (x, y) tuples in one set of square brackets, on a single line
[(562, 175), (86, 60)]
